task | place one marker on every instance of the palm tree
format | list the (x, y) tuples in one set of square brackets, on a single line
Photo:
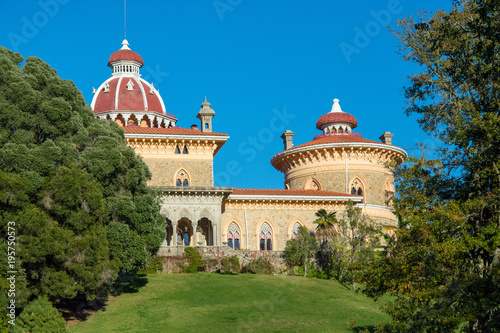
[(326, 222)]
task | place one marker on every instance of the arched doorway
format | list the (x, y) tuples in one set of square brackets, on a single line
[(184, 233), (205, 232)]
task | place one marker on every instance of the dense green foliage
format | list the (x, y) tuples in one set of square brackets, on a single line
[(260, 265), (298, 251), (195, 262), (39, 316), (235, 303), (444, 261), (353, 246), (230, 265), (76, 192)]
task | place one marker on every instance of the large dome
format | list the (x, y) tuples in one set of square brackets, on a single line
[(125, 90), (127, 94)]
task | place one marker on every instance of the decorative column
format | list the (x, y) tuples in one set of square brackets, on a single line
[(195, 234), (174, 231)]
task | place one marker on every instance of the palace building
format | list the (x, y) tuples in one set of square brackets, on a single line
[(336, 166)]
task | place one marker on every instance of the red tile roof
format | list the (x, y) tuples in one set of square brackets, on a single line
[(311, 193), (125, 55), (336, 139), (166, 131), (336, 117)]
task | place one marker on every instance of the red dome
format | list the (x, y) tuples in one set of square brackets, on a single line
[(125, 54), (336, 117), (134, 94)]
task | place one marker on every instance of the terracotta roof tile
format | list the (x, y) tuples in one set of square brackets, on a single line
[(166, 131), (315, 193)]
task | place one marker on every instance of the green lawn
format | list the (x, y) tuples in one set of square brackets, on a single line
[(234, 303)]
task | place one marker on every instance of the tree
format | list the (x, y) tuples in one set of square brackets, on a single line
[(298, 251), (76, 193), (356, 239), (443, 263), (325, 221), (40, 316)]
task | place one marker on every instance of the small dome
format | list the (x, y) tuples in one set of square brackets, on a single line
[(125, 53), (336, 116), (331, 118)]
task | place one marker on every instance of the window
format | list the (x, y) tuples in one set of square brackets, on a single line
[(185, 150), (313, 184), (295, 230), (182, 178), (357, 187), (233, 236), (177, 150), (389, 192), (266, 237), (206, 125)]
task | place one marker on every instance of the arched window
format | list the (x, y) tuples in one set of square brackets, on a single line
[(295, 230), (233, 236), (206, 125), (389, 192), (182, 178), (266, 237), (357, 187), (185, 150), (177, 150), (313, 184)]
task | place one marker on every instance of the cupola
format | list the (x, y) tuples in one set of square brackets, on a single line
[(336, 121)]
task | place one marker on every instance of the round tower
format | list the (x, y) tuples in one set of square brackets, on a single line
[(341, 160)]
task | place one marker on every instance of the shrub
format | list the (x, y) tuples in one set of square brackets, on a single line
[(196, 263), (40, 316), (154, 266), (260, 266), (231, 265)]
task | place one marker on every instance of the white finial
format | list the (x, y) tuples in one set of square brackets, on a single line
[(125, 45), (336, 106), (93, 91)]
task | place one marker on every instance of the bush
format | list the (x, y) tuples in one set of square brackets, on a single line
[(40, 316), (230, 266), (260, 266), (154, 266), (196, 264)]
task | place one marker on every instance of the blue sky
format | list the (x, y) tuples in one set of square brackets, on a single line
[(265, 66)]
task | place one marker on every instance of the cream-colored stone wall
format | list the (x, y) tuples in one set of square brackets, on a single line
[(164, 171), (373, 182), (282, 216)]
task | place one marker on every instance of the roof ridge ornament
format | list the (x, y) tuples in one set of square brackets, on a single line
[(125, 45), (336, 106)]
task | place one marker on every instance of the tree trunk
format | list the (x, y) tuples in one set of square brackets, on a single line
[(305, 267)]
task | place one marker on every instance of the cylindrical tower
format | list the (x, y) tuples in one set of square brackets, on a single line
[(341, 160)]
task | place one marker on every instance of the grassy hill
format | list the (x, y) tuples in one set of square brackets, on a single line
[(234, 303)]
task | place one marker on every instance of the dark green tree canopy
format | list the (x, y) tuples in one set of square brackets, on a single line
[(444, 263), (76, 192)]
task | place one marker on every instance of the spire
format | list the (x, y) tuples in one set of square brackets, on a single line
[(336, 106), (125, 45)]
